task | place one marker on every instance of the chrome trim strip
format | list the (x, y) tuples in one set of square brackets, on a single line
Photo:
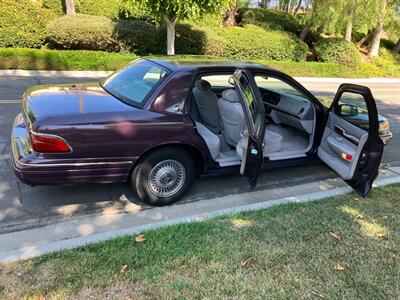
[(74, 164)]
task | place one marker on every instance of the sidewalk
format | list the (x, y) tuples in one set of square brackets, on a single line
[(91, 228)]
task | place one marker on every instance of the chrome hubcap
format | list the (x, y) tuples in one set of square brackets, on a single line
[(167, 178)]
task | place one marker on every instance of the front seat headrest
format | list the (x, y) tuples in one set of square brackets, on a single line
[(203, 85), (230, 95)]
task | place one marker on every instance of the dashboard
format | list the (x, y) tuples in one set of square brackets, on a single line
[(288, 109)]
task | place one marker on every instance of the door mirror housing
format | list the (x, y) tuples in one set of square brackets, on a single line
[(347, 110)]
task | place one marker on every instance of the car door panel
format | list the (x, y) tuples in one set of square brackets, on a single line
[(335, 146), (252, 158), (252, 138), (353, 152)]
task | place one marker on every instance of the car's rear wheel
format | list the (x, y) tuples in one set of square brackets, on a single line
[(163, 176)]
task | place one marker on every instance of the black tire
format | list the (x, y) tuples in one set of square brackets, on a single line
[(140, 179)]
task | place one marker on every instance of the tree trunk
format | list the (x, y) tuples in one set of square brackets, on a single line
[(170, 35), (320, 30), (70, 7), (365, 38), (296, 11), (288, 6), (396, 48), (376, 38), (229, 18), (376, 41), (304, 32), (349, 30)]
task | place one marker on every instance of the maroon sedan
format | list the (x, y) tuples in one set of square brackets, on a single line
[(159, 124)]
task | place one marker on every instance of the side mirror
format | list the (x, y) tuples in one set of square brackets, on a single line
[(348, 110), (231, 80)]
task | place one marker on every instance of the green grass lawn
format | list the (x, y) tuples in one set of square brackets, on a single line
[(339, 248), (35, 59)]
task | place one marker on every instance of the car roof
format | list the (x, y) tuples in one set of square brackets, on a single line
[(184, 65)]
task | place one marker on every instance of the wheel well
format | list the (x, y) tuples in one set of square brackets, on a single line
[(193, 152)]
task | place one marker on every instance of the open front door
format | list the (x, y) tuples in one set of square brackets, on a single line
[(351, 145), (253, 135)]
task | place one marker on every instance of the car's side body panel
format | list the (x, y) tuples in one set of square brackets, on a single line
[(107, 139)]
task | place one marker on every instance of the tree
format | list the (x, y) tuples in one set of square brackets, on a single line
[(351, 10), (321, 14), (393, 26), (376, 37), (231, 12), (170, 11), (264, 3), (396, 48), (70, 7), (296, 10)]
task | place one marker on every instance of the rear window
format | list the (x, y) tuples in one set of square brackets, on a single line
[(136, 82)]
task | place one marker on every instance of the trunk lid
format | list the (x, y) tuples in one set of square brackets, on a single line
[(60, 100)]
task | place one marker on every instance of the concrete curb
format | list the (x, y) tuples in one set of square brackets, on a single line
[(38, 73), (348, 80), (94, 74), (27, 252)]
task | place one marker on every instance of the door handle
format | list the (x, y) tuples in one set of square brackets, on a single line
[(347, 136)]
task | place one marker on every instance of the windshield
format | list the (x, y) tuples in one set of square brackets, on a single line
[(134, 83)]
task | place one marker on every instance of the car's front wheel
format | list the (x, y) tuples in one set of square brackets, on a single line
[(163, 176)]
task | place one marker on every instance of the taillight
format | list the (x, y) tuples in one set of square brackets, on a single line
[(47, 143)]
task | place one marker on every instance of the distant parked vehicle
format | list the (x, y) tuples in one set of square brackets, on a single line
[(159, 124)]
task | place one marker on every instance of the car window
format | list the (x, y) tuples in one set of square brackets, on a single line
[(134, 83), (352, 108), (278, 86), (221, 80), (256, 111)]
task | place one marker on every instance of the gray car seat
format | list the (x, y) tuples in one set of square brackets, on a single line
[(232, 116), (207, 105), (272, 143), (234, 123)]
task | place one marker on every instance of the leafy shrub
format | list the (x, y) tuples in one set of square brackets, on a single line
[(106, 8), (387, 58), (252, 42), (269, 19), (56, 6), (248, 42), (100, 33), (337, 51), (188, 39), (114, 9), (22, 23)]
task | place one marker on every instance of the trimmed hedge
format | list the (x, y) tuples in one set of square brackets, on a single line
[(22, 23), (253, 42), (86, 32), (337, 51)]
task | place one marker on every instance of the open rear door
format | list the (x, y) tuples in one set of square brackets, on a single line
[(351, 145), (253, 136)]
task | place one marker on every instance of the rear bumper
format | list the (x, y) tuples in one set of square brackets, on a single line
[(34, 169)]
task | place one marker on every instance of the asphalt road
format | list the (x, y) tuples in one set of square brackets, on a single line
[(22, 206)]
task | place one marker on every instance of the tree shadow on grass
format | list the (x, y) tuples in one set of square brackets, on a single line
[(43, 60)]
